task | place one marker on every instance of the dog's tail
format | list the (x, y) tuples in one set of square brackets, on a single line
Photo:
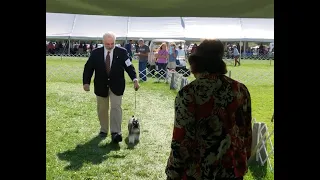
[(133, 116)]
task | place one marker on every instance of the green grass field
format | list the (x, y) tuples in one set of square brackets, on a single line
[(73, 150), (187, 8)]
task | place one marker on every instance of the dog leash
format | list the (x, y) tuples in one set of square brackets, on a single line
[(135, 101), (135, 105)]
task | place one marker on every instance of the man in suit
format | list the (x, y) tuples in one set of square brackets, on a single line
[(109, 63)]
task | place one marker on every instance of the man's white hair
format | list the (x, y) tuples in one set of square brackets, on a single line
[(110, 34)]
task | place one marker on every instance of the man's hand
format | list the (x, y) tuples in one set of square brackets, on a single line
[(86, 87), (136, 85)]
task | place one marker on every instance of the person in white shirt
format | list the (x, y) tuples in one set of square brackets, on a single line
[(181, 52), (236, 55)]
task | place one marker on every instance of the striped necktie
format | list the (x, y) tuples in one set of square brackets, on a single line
[(108, 62)]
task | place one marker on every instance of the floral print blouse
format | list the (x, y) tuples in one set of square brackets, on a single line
[(212, 130)]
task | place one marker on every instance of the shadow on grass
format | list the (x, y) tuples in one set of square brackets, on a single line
[(258, 171), (89, 152), (130, 145)]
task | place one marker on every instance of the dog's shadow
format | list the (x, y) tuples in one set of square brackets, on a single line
[(131, 145), (89, 152)]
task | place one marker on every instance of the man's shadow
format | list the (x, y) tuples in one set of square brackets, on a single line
[(89, 152)]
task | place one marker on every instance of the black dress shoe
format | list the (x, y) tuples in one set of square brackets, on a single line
[(103, 134), (116, 137), (119, 137)]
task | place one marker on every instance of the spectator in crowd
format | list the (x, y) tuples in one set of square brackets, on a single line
[(60, 47), (162, 57), (136, 45), (173, 54), (181, 52), (85, 48), (143, 53), (212, 131), (128, 47), (236, 55), (91, 46), (152, 62), (80, 49), (194, 48), (51, 48), (261, 49)]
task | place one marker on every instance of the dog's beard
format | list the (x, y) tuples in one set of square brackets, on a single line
[(135, 130), (134, 135), (133, 138)]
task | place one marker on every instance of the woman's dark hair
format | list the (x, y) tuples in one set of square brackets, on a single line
[(208, 58)]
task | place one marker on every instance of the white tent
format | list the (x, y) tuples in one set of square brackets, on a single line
[(220, 28), (261, 30), (92, 27), (59, 26), (155, 27)]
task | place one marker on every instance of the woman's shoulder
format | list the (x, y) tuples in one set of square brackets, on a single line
[(241, 86), (188, 89)]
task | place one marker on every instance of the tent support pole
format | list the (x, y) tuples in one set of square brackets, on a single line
[(240, 53), (69, 46)]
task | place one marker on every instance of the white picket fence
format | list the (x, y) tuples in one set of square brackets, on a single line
[(263, 149), (176, 79)]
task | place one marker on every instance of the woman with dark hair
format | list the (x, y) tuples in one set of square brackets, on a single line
[(212, 126)]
